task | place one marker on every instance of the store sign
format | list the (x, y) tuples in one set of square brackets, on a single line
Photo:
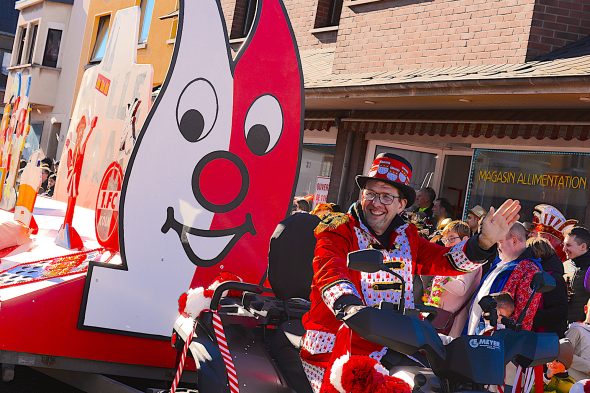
[(322, 186), (556, 178), (533, 179)]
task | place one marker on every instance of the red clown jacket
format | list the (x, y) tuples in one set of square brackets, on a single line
[(410, 254)]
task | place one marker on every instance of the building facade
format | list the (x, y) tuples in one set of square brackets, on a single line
[(46, 48), (488, 100), (467, 90), (157, 32), (440, 82), (56, 40), (155, 41), (8, 19)]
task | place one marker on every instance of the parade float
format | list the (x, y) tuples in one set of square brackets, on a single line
[(150, 200)]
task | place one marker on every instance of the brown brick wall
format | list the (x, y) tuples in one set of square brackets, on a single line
[(228, 8), (438, 33), (393, 34), (302, 14), (557, 23)]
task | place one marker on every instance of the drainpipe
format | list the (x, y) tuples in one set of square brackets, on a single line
[(345, 165)]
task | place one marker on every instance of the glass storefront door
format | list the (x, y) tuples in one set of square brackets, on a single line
[(454, 181)]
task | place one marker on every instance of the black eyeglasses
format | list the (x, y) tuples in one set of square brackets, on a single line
[(386, 199), (449, 240)]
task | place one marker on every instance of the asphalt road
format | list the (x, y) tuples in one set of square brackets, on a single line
[(27, 380)]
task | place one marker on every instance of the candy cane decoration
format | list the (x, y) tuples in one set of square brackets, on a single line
[(232, 376), (188, 341)]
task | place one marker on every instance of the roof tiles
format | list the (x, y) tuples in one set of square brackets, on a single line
[(572, 60)]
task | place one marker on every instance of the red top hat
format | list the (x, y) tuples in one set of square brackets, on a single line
[(391, 169)]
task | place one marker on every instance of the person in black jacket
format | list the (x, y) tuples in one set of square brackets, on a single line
[(552, 315), (576, 246)]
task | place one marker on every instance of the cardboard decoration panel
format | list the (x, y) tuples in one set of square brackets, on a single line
[(108, 91), (7, 124), (16, 136), (212, 173), (67, 235)]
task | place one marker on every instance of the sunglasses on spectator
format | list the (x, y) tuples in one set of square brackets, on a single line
[(386, 199), (447, 240)]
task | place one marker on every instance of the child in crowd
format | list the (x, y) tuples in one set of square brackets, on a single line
[(453, 294), (50, 186), (504, 308), (559, 379)]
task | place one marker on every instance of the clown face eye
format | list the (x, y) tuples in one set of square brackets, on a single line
[(264, 124), (196, 110)]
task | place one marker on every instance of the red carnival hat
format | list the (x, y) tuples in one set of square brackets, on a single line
[(391, 169), (549, 219)]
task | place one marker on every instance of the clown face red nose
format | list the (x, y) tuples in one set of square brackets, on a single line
[(220, 181)]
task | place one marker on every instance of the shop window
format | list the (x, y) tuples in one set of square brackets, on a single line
[(147, 9), (316, 162), (33, 141), (22, 37), (52, 44), (53, 140), (328, 13), (243, 18), (174, 28), (32, 43), (533, 177), (6, 62), (4, 72), (100, 42), (454, 181)]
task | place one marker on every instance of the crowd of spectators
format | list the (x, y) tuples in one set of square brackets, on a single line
[(550, 243), (48, 176)]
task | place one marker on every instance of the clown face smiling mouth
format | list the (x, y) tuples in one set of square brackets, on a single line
[(218, 242)]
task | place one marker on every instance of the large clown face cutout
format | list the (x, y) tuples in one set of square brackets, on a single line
[(224, 147), (213, 170)]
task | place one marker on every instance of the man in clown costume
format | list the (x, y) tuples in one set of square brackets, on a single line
[(374, 222)]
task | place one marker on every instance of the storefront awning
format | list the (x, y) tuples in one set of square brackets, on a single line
[(319, 124), (526, 131)]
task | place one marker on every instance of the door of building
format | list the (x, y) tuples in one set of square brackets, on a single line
[(455, 178), (445, 170)]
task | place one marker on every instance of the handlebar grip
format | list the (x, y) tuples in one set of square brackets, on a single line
[(236, 285)]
